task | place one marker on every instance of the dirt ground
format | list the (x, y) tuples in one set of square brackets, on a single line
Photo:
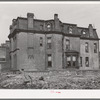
[(49, 80)]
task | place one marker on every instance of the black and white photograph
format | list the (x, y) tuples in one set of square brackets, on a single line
[(50, 46)]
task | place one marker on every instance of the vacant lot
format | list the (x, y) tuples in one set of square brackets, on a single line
[(51, 80)]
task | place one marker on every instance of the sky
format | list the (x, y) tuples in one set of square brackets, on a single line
[(81, 14)]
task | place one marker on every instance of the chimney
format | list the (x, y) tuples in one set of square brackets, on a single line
[(56, 22), (90, 27), (55, 16), (30, 20)]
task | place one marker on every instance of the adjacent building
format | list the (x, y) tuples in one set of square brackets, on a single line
[(5, 56), (39, 45)]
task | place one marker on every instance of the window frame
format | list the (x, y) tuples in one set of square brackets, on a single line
[(49, 62), (41, 41), (81, 61), (86, 47), (95, 47), (67, 45), (70, 30), (87, 60), (49, 44)]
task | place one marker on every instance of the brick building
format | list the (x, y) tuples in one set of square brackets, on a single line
[(5, 56), (38, 45)]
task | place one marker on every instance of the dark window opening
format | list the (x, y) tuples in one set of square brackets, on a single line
[(86, 47), (81, 61), (87, 61), (68, 61), (95, 47)]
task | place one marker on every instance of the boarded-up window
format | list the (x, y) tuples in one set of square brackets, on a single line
[(95, 47), (86, 47), (49, 60), (87, 61), (48, 42)]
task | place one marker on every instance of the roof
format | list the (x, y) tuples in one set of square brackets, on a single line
[(63, 27)]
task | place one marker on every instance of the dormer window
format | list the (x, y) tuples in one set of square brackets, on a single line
[(48, 27), (84, 32), (41, 27), (70, 30)]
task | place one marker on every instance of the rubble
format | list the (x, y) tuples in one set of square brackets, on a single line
[(60, 80)]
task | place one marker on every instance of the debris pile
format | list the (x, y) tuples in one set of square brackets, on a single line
[(52, 80)]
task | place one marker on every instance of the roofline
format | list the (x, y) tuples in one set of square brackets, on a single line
[(85, 38), (86, 28)]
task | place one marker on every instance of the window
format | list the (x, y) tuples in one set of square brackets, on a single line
[(48, 27), (74, 60), (86, 47), (70, 30), (30, 53), (95, 47), (15, 42), (87, 61), (49, 60), (30, 57), (48, 42), (2, 59), (68, 61), (81, 61), (84, 32), (41, 41), (67, 44), (41, 27)]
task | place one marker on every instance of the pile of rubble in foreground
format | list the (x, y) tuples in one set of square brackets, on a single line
[(50, 80)]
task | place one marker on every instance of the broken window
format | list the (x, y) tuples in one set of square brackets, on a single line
[(95, 47), (86, 47), (48, 42), (49, 60), (87, 61)]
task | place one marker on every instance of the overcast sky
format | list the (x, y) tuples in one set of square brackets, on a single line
[(80, 14)]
